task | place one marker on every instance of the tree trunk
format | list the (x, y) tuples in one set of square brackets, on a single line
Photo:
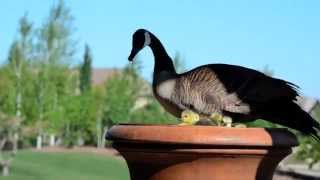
[(52, 140), (15, 143), (99, 132), (80, 141), (18, 104), (5, 165), (39, 142), (5, 170), (103, 137)]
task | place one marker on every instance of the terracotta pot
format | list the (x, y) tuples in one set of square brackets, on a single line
[(155, 152)]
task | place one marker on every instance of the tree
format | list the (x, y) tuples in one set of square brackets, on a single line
[(7, 104), (121, 92), (55, 51), (98, 127), (16, 63), (18, 58), (92, 103), (80, 110), (15, 73), (85, 71)]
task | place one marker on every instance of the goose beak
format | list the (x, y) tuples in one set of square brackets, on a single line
[(133, 53)]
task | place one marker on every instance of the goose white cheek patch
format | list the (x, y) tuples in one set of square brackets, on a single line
[(147, 39)]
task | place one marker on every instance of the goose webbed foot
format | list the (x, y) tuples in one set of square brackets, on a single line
[(189, 117)]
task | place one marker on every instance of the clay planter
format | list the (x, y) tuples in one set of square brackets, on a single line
[(157, 152)]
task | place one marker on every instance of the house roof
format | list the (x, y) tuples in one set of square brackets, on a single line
[(101, 75)]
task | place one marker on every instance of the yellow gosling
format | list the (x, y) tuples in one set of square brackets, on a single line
[(227, 121), (189, 117), (217, 118)]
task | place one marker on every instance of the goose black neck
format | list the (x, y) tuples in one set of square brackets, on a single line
[(163, 61)]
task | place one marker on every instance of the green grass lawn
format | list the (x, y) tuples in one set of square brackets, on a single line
[(66, 166)]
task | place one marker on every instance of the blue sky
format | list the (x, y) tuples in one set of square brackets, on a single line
[(285, 35)]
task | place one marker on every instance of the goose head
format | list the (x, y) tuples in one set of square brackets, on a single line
[(140, 39)]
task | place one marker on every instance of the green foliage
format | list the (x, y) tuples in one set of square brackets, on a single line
[(25, 29), (81, 113), (15, 58), (317, 112), (8, 126), (122, 91), (18, 69), (55, 81), (7, 95), (262, 123), (309, 149), (55, 40)]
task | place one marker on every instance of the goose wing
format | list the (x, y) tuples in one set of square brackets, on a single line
[(235, 89)]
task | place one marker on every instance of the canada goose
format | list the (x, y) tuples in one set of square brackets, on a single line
[(232, 91)]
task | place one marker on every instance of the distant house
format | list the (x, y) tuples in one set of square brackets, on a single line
[(308, 104), (101, 75)]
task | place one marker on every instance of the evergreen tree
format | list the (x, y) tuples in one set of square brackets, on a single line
[(85, 71)]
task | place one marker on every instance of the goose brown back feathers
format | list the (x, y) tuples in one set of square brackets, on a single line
[(215, 88)]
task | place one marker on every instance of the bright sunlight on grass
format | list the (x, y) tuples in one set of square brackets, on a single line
[(67, 166)]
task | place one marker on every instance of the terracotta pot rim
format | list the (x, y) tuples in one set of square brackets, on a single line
[(202, 136)]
